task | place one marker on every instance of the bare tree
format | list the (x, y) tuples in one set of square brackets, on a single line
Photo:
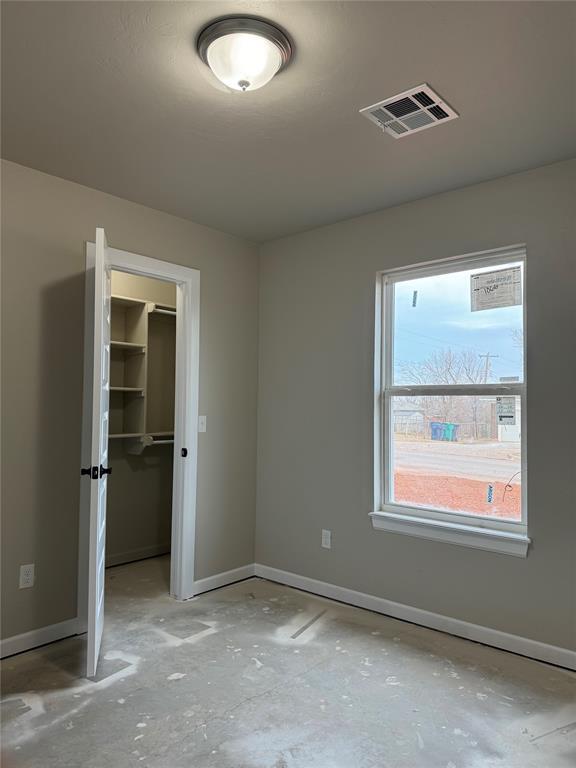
[(448, 366)]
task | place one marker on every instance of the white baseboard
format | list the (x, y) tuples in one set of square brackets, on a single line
[(136, 554), (28, 640), (223, 579), (534, 649)]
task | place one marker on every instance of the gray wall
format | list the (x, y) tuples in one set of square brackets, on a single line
[(315, 379), (315, 406), (138, 503), (45, 224)]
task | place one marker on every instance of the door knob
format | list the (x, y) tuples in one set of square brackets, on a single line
[(105, 471)]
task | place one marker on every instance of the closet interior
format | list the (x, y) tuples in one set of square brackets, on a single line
[(141, 435)]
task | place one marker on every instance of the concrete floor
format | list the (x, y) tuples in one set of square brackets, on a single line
[(257, 675)]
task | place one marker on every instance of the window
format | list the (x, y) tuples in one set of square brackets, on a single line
[(450, 437)]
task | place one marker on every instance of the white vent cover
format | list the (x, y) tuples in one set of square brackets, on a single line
[(410, 112)]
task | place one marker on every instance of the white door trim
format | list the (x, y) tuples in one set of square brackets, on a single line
[(187, 282)]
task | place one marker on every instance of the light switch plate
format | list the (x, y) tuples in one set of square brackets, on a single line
[(201, 423), (326, 539)]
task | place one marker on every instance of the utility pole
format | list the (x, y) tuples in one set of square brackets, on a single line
[(487, 367)]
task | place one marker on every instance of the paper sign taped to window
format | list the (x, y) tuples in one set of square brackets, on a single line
[(500, 288), (506, 411)]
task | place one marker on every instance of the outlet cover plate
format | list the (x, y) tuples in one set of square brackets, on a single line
[(26, 576)]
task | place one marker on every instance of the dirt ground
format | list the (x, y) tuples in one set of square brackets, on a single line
[(457, 494)]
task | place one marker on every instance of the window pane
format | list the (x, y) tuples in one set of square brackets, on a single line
[(438, 339), (452, 454)]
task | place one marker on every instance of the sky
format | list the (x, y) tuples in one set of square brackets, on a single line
[(442, 319)]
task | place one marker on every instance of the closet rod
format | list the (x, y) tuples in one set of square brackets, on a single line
[(171, 312)]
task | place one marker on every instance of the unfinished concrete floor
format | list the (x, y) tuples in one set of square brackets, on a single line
[(257, 675)]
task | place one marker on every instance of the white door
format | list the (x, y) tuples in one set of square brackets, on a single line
[(99, 450)]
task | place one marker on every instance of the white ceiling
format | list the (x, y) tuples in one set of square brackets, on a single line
[(113, 95)]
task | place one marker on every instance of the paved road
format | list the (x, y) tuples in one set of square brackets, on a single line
[(459, 459)]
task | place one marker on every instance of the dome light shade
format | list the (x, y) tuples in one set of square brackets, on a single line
[(243, 61), (244, 53)]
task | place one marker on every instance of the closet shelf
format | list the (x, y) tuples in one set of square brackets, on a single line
[(142, 361), (128, 346), (126, 301), (155, 308)]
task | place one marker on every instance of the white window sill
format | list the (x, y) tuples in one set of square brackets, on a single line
[(505, 542)]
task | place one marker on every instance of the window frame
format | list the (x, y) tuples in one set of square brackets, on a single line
[(484, 532)]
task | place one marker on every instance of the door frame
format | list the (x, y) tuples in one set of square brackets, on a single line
[(187, 282)]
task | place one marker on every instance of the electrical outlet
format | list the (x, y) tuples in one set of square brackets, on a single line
[(327, 539), (27, 576)]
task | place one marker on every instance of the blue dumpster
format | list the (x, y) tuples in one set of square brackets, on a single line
[(436, 430), (444, 430)]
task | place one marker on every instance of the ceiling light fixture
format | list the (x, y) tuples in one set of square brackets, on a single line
[(243, 52)]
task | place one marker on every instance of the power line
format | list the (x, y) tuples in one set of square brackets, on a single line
[(447, 343), (487, 368)]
